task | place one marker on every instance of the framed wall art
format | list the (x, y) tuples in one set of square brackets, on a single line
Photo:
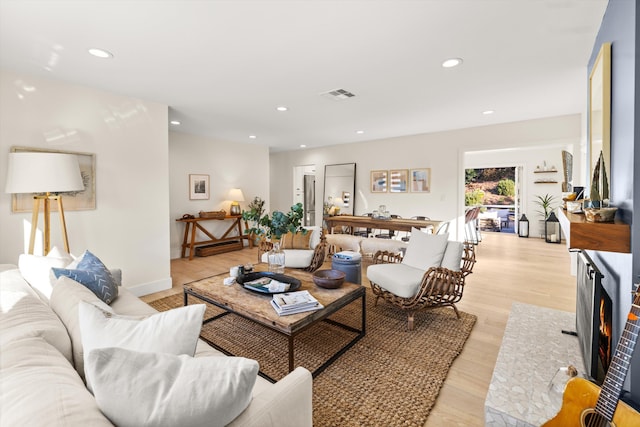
[(379, 181), (421, 180), (73, 200), (398, 181), (198, 187)]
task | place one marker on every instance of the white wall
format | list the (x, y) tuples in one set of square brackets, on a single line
[(229, 165), (129, 228), (443, 152)]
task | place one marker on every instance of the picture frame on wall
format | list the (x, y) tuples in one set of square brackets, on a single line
[(73, 200), (379, 181), (198, 187), (421, 180), (399, 181)]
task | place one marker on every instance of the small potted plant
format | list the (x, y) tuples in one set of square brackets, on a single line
[(545, 203), (254, 216)]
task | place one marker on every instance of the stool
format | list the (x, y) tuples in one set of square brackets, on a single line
[(351, 267)]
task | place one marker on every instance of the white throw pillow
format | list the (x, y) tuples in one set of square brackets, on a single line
[(153, 389), (425, 250), (37, 269), (175, 331), (452, 257), (65, 298)]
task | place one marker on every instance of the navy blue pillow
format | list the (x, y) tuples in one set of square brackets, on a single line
[(93, 274)]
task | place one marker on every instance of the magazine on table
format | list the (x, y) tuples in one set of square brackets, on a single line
[(295, 302), (266, 285)]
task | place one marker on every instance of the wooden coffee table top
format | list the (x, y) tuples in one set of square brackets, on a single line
[(257, 307)]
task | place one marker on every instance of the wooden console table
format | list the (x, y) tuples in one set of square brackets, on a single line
[(228, 242), (396, 224)]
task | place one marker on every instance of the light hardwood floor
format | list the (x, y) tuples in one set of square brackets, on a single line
[(508, 269)]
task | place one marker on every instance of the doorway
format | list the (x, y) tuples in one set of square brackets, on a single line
[(304, 191), (496, 191)]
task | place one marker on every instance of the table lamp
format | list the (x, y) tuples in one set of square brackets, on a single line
[(235, 195), (47, 175)]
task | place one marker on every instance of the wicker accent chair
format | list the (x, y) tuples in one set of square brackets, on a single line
[(412, 289), (307, 259)]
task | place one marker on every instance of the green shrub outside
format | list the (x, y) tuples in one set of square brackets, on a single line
[(506, 187), (472, 198)]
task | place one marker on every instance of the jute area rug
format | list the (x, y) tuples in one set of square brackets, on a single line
[(391, 377)]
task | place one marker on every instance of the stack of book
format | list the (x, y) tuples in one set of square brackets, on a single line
[(295, 302)]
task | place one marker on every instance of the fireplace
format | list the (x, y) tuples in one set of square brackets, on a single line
[(593, 319)]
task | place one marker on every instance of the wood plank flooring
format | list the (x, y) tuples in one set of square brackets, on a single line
[(508, 269)]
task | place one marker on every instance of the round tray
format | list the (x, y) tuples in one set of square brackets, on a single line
[(295, 283)]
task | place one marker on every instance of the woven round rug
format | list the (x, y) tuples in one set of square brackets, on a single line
[(391, 377)]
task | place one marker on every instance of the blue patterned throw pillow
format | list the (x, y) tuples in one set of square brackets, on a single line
[(93, 274)]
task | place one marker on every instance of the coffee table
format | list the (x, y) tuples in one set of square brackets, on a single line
[(234, 299)]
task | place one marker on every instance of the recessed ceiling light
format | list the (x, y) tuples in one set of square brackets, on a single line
[(100, 53), (359, 132), (252, 136), (303, 146), (175, 122), (282, 108), (452, 62), (487, 112)]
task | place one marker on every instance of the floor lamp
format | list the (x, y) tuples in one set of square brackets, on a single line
[(46, 175)]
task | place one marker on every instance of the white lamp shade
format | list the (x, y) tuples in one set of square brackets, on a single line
[(235, 195), (33, 172)]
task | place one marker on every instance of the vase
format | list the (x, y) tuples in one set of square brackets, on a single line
[(275, 259), (600, 214)]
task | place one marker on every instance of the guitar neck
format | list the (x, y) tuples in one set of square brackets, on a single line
[(614, 379)]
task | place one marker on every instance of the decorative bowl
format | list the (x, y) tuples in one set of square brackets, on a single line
[(330, 279), (600, 214)]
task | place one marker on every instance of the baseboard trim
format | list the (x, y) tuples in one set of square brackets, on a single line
[(150, 287)]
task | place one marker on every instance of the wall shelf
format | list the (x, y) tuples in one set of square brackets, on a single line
[(597, 236), (548, 171), (545, 182)]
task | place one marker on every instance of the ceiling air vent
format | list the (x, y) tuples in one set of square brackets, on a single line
[(338, 94)]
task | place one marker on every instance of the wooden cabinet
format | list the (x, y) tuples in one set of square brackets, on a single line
[(596, 236)]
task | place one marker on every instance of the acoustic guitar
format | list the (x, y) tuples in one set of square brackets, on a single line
[(584, 404)]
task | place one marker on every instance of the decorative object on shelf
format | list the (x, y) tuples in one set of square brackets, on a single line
[(276, 259), (421, 180), (598, 209), (212, 214), (235, 195), (552, 229), (398, 181), (567, 170), (48, 174), (379, 181), (545, 168), (84, 199), (523, 226), (381, 213), (329, 279), (198, 187)]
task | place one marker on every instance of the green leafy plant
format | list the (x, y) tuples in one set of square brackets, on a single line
[(275, 225), (473, 198), (546, 203), (506, 187), (254, 217)]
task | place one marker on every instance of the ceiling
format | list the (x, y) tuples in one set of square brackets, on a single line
[(224, 66)]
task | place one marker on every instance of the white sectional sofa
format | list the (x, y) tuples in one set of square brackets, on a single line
[(39, 383)]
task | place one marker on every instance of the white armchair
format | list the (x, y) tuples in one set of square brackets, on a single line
[(431, 274), (309, 258)]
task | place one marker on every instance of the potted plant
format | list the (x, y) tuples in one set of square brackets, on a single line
[(545, 203), (281, 223), (254, 216)]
